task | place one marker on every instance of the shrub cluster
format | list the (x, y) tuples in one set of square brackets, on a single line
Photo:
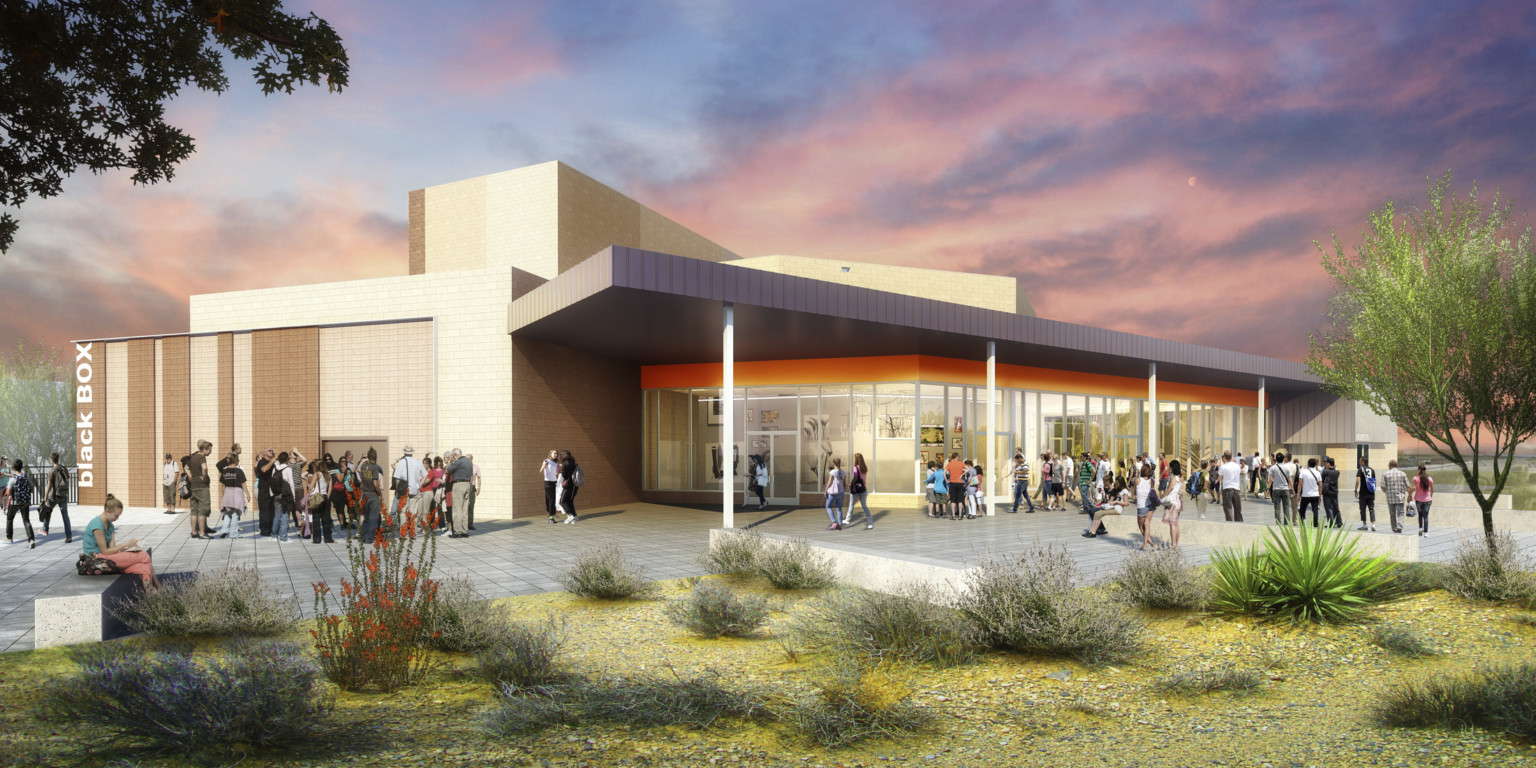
[(916, 624), (714, 610), (734, 554), (1302, 574), (1029, 602), (1491, 568), (262, 694), (1160, 579), (523, 655), (1402, 641), (647, 700), (794, 565), (1203, 681), (380, 637), (461, 619), (234, 601), (856, 702), (1411, 579), (1500, 699), (605, 574)]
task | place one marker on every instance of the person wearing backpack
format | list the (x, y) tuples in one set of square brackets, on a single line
[(1195, 488), (55, 496), (19, 501), (571, 480), (370, 477), (1365, 494)]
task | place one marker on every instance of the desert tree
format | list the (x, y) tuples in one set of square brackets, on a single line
[(1433, 323), (84, 83)]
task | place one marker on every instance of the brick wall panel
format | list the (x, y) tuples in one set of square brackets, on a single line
[(144, 464)]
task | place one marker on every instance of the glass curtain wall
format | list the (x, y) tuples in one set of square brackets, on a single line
[(899, 427)]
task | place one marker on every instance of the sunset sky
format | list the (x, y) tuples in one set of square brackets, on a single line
[(1163, 172)]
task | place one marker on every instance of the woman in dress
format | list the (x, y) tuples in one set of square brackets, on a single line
[(1173, 501), (236, 499), (100, 540)]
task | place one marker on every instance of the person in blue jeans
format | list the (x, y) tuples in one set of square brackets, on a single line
[(57, 498), (1021, 483), (835, 494)]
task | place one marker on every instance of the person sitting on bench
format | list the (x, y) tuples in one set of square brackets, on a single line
[(1118, 501), (99, 541)]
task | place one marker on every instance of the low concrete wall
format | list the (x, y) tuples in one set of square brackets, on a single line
[(856, 568), (1209, 533)]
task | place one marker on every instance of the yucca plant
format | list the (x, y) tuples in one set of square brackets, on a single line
[(1303, 574)]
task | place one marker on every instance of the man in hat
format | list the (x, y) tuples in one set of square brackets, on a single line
[(411, 470)]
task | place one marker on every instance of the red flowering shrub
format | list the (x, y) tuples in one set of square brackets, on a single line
[(375, 635)]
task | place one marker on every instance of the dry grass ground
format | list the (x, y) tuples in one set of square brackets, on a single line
[(1311, 710)]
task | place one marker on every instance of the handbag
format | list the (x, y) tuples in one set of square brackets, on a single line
[(96, 565)]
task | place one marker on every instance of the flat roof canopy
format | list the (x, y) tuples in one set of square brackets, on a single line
[(655, 308)]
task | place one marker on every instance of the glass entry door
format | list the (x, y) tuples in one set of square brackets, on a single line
[(780, 453)]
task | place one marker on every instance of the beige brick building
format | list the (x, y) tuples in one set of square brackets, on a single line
[(542, 309)]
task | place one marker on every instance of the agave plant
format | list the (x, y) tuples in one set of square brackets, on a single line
[(1302, 574)]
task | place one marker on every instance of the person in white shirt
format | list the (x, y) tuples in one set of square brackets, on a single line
[(1294, 467), (168, 473), (410, 469), (1231, 488), (550, 471), (1311, 494), (1144, 505), (475, 474), (1069, 474), (1281, 480)]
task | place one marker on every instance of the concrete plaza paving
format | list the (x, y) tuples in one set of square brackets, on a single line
[(519, 557)]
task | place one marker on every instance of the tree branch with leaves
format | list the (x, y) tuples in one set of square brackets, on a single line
[(1433, 324), (84, 83)]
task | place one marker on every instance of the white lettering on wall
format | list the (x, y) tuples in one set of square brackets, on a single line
[(83, 426)]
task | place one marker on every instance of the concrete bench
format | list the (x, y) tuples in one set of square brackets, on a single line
[(78, 609), (1402, 547)]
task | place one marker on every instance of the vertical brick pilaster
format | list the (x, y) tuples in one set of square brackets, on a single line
[(285, 390), (176, 394), (416, 259), (226, 385), (93, 453), (145, 465)]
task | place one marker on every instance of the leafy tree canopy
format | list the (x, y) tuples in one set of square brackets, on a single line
[(83, 83), (1433, 323)]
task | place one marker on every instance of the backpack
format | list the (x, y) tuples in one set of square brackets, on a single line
[(1153, 502), (96, 565), (21, 491), (59, 480), (857, 485), (1196, 483), (1370, 482), (578, 477)]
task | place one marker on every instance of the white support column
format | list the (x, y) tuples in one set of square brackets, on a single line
[(728, 419), (1263, 446), (1154, 420), (993, 471)]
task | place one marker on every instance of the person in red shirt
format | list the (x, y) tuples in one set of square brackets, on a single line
[(955, 470)]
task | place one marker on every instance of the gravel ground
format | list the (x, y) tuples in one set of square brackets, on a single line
[(1003, 710)]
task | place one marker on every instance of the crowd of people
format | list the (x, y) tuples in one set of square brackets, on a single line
[(562, 477)]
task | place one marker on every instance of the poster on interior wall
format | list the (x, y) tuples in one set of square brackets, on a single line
[(750, 414), (933, 435), (716, 464), (957, 444), (927, 457), (959, 425), (770, 416), (712, 416)]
